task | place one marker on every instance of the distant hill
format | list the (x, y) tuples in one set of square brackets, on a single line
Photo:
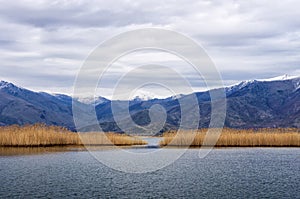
[(250, 104), (22, 106)]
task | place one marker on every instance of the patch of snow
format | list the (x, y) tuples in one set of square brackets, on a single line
[(93, 100), (10, 87), (141, 98), (297, 85), (4, 84), (238, 86), (142, 95)]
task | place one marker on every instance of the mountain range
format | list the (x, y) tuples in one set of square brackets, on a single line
[(250, 104)]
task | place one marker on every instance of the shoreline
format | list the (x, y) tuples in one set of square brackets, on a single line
[(146, 146), (28, 150)]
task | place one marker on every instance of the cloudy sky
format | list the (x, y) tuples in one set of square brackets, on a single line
[(44, 43)]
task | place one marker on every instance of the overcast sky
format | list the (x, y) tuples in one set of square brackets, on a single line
[(44, 43)]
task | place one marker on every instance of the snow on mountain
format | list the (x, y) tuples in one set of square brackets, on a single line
[(4, 84), (143, 95), (262, 105), (9, 86), (240, 85), (22, 106), (279, 78), (297, 85), (93, 100)]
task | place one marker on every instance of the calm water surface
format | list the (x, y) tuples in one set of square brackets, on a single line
[(224, 173)]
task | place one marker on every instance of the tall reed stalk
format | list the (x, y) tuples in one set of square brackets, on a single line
[(236, 138)]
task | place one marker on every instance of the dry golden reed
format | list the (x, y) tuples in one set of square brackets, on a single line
[(42, 135), (94, 138), (237, 138)]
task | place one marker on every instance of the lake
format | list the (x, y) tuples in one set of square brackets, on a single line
[(224, 173)]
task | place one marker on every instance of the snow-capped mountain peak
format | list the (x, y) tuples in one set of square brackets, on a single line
[(243, 84), (279, 78), (93, 100), (4, 84), (142, 95), (10, 87), (239, 86)]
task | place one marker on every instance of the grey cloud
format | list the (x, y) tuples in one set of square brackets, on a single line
[(246, 39), (82, 14)]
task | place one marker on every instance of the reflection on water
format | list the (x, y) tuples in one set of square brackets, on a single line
[(153, 142), (9, 151), (224, 173), (16, 151)]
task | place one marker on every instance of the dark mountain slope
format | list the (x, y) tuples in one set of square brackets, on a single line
[(22, 106), (250, 104)]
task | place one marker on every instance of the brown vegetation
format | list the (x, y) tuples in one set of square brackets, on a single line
[(236, 138), (42, 135), (95, 138)]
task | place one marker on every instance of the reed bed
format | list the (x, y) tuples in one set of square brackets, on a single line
[(42, 135), (235, 138), (94, 138)]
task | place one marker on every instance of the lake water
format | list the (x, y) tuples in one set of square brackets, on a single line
[(224, 173)]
